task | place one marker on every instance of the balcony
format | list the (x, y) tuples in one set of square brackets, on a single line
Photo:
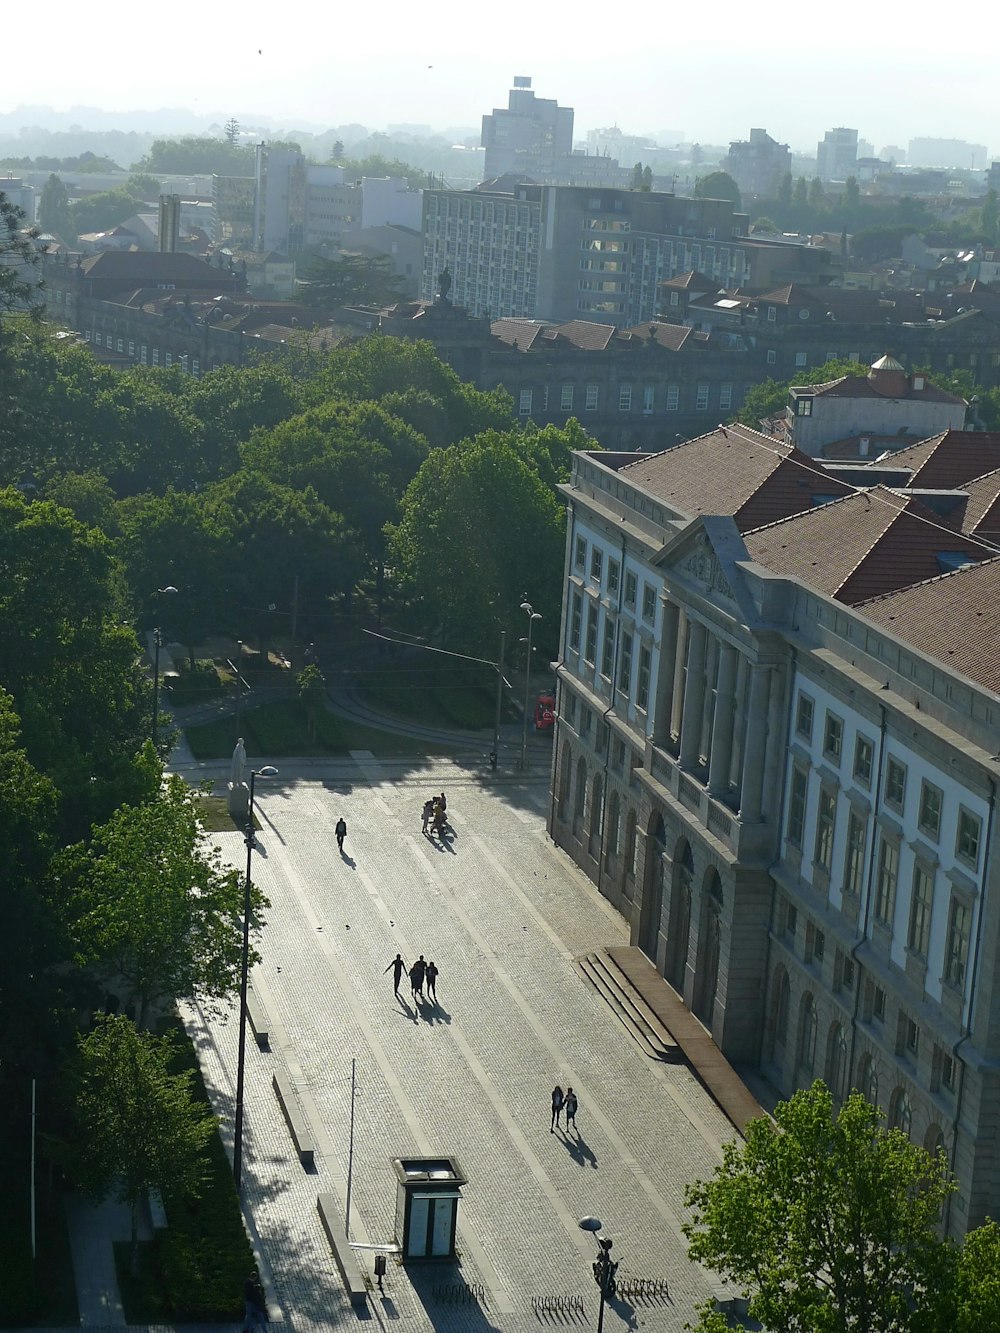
[(747, 842)]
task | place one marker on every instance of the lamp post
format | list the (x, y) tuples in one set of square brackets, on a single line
[(604, 1267), (156, 674), (268, 771), (495, 755), (532, 615)]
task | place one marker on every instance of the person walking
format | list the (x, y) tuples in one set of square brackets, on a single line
[(428, 813), (397, 967), (557, 1106), (255, 1306), (570, 1105), (417, 972), (341, 832), (430, 980)]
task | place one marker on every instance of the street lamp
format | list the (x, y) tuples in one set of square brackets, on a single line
[(156, 673), (604, 1267), (532, 615), (268, 771)]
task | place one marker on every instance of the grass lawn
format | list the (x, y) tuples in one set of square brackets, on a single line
[(438, 696), (281, 728)]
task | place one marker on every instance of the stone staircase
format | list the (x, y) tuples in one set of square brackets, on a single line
[(601, 971)]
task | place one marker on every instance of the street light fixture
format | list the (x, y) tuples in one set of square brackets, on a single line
[(604, 1267), (156, 673), (268, 771), (532, 615)]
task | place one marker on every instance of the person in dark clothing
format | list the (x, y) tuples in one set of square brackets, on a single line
[(430, 980), (397, 967), (417, 972), (255, 1306), (570, 1104), (557, 1106), (428, 814), (341, 832)]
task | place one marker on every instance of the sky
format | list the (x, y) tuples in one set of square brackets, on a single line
[(712, 72)]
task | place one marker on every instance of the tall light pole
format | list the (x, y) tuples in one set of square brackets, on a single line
[(495, 755), (268, 771), (532, 615), (156, 674), (604, 1267)]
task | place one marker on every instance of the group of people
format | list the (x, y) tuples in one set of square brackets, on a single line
[(422, 974), (563, 1101), (435, 815)]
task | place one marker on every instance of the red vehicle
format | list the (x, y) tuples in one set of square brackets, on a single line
[(545, 713)]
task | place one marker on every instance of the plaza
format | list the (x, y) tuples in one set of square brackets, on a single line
[(504, 914)]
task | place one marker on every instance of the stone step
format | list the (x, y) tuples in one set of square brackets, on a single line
[(601, 972)]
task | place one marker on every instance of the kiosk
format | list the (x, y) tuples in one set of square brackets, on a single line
[(427, 1193)]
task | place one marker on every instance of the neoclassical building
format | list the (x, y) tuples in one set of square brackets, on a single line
[(777, 753)]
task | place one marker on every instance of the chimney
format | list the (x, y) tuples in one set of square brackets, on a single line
[(170, 223)]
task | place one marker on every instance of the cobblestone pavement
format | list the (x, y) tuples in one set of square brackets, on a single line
[(503, 913)]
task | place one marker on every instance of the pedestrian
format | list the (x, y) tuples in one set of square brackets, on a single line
[(570, 1105), (440, 819), (397, 967), (444, 808), (428, 813), (430, 980), (341, 832), (254, 1305), (417, 972), (557, 1106)]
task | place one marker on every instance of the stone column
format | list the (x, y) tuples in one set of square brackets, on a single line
[(677, 701), (666, 671), (708, 705), (724, 723), (694, 695), (772, 760), (756, 744)]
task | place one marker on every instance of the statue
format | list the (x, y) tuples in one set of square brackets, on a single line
[(239, 760), (444, 286)]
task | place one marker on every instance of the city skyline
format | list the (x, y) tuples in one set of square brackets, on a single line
[(294, 77)]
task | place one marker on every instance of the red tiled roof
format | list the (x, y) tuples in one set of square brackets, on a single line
[(950, 459), (869, 543), (954, 618), (860, 386), (523, 332), (982, 513), (738, 471)]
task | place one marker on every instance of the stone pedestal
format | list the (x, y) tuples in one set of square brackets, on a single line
[(239, 801)]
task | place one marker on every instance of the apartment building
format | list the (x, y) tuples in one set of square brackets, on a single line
[(837, 155), (776, 754), (759, 163)]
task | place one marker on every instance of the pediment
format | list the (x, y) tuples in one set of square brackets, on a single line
[(704, 558)]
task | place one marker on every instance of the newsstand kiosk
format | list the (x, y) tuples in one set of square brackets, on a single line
[(427, 1193)]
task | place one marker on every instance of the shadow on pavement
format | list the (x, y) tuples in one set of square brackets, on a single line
[(447, 1297), (579, 1150)]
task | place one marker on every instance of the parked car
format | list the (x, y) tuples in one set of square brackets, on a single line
[(545, 713)]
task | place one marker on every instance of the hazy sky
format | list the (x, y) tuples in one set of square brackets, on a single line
[(712, 71)]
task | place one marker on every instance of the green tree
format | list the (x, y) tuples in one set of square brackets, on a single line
[(801, 195), (636, 182), (852, 195), (142, 187), (232, 132), (19, 283), (770, 396), (785, 190), (138, 1126), (311, 691), (647, 178), (989, 216), (337, 151), (53, 207), (975, 1294), (764, 224), (825, 1220), (479, 529), (816, 193), (718, 185), (102, 212), (351, 279), (153, 908), (196, 155)]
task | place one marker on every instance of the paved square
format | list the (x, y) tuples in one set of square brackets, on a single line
[(503, 913)]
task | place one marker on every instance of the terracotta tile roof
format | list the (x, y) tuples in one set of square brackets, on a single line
[(982, 513), (736, 471), (950, 459), (954, 618), (693, 281), (860, 386), (671, 336), (869, 543), (523, 332), (587, 334)]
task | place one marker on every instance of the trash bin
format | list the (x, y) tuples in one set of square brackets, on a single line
[(427, 1193)]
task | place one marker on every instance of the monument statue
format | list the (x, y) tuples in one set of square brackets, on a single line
[(444, 286), (239, 762), (239, 793)]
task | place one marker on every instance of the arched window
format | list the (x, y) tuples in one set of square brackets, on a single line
[(900, 1114), (565, 772), (868, 1080), (836, 1063), (808, 1023), (934, 1139), (782, 998)]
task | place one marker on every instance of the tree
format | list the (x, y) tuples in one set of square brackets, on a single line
[(153, 909), (764, 224), (976, 1286), (771, 396), (816, 192), (989, 216), (825, 1220), (197, 155), (337, 151), (350, 279), (53, 207), (785, 190), (232, 132), (636, 182), (19, 285), (801, 195), (311, 690), (718, 185), (138, 1124), (852, 195), (647, 178)]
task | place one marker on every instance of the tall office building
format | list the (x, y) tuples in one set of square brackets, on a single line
[(837, 155), (757, 164), (527, 137)]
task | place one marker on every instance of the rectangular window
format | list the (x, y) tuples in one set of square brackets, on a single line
[(885, 891), (772, 313), (701, 398), (131, 349), (156, 356), (168, 359), (648, 601), (580, 555), (878, 1004), (648, 400), (625, 398), (642, 687), (804, 717), (772, 356), (969, 831), (625, 672), (673, 397), (912, 1038), (195, 367), (929, 818), (614, 575), (725, 397), (948, 1072), (593, 392), (608, 648), (920, 910), (566, 398), (854, 857), (797, 806), (142, 353), (864, 753), (833, 737), (590, 649), (575, 620), (801, 359), (99, 339), (596, 564), (959, 927), (826, 819), (631, 586), (120, 345), (524, 403), (895, 784)]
